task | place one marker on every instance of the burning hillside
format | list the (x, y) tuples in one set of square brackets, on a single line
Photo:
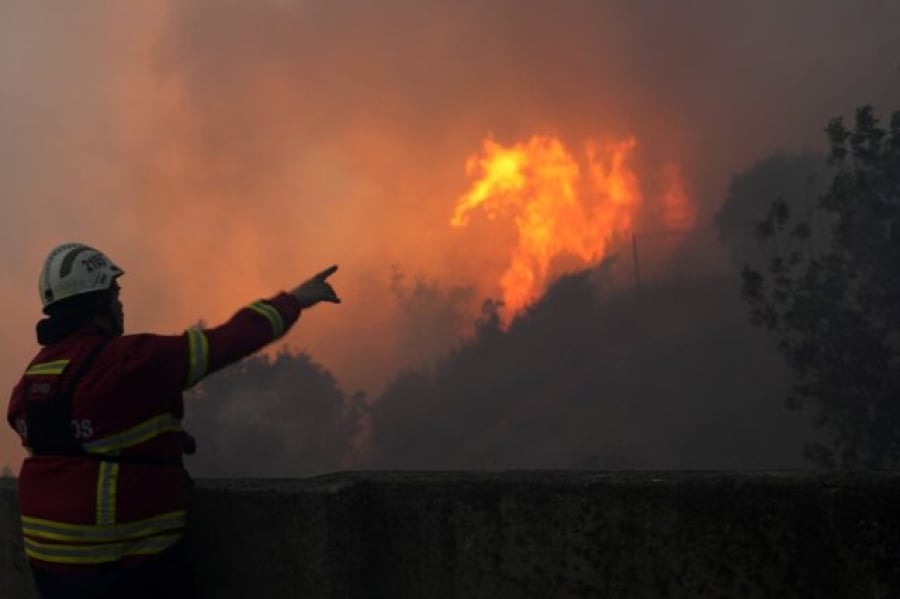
[(565, 205)]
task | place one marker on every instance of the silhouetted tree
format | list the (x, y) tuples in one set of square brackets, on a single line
[(281, 416), (835, 306)]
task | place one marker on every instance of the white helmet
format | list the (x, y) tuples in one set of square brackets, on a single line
[(74, 268)]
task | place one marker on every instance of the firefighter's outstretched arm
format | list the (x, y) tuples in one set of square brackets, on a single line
[(253, 327)]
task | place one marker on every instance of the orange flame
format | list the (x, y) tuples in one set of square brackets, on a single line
[(557, 210)]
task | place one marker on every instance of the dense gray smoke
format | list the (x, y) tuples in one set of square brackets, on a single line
[(222, 149), (797, 179)]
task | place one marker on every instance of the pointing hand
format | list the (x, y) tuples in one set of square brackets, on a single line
[(315, 290)]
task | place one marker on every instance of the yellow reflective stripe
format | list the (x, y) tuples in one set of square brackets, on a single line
[(198, 355), (87, 533), (55, 367), (107, 481), (146, 430), (98, 554), (271, 314)]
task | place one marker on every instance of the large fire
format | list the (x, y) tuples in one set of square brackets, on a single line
[(563, 208)]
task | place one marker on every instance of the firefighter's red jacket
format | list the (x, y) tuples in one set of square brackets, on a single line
[(83, 511)]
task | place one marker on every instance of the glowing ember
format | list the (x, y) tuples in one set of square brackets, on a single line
[(557, 210)]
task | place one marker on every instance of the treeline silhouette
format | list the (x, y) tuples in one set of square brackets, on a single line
[(271, 417), (672, 376)]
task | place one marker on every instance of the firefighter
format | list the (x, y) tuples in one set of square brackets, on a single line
[(103, 492)]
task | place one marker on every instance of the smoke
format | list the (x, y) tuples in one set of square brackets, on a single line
[(797, 179), (221, 150)]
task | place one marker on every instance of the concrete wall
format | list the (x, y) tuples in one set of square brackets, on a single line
[(535, 534)]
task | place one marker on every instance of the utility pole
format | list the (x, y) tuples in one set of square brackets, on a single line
[(637, 267)]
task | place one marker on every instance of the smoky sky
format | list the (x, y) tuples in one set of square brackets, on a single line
[(222, 150)]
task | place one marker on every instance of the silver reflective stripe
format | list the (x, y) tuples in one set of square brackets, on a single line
[(107, 481), (198, 356), (271, 314), (62, 531), (164, 423), (96, 554)]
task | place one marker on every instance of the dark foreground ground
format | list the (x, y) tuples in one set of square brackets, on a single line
[(534, 534)]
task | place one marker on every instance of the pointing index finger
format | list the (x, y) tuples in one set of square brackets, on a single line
[(326, 273)]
